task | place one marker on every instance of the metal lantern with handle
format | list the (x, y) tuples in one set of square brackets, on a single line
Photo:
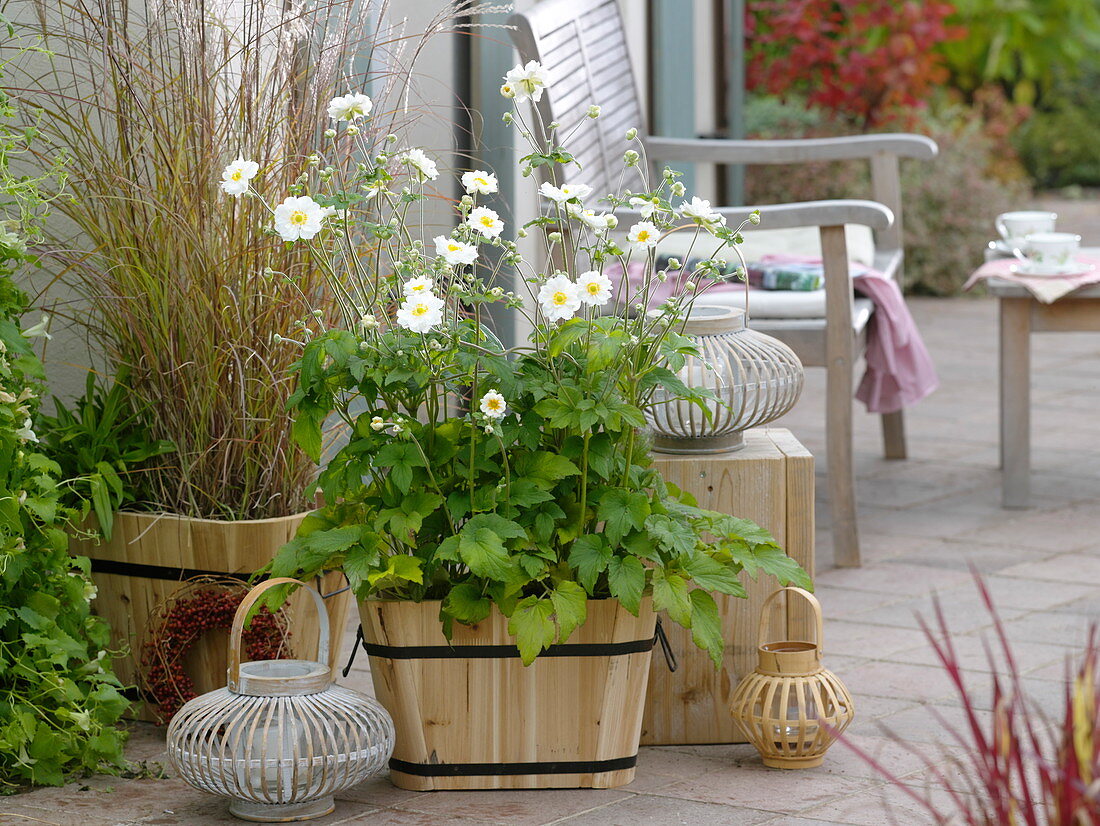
[(754, 378), (791, 708), (281, 739)]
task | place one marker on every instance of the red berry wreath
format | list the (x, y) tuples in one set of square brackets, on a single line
[(199, 607)]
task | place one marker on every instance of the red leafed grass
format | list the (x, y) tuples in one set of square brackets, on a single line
[(1021, 764)]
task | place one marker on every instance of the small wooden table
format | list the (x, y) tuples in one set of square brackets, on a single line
[(1021, 315)]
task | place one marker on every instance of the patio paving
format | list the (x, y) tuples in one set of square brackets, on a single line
[(923, 522)]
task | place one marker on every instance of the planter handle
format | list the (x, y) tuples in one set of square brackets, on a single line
[(806, 595), (246, 605)]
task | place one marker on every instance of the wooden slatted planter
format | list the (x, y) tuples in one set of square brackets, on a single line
[(150, 555), (470, 715)]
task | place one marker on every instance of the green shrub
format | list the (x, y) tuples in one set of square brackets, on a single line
[(1058, 144), (59, 700)]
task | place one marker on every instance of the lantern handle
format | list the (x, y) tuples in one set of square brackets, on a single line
[(806, 595), (246, 605)]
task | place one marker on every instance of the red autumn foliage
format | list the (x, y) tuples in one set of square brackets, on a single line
[(869, 62)]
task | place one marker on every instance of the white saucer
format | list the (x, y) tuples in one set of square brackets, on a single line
[(1073, 268)]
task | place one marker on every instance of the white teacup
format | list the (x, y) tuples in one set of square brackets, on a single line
[(1051, 252), (1015, 226)]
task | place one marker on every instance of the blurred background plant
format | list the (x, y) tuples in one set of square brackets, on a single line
[(1020, 763), (181, 287), (1007, 90)]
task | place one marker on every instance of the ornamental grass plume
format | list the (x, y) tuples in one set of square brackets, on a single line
[(1020, 764), (182, 285)]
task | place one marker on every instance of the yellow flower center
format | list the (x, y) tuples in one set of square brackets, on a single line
[(236, 176), (481, 181), (420, 309), (453, 248), (298, 217), (593, 287), (493, 404), (560, 298), (643, 235), (486, 221)]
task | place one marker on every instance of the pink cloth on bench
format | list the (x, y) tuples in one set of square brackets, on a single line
[(899, 370)]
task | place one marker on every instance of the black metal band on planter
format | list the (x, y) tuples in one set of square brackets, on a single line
[(110, 566), (499, 769), (495, 652)]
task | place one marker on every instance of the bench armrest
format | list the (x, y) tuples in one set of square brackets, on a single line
[(802, 214), (717, 150)]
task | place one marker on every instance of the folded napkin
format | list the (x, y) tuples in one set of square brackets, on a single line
[(899, 370), (1045, 288)]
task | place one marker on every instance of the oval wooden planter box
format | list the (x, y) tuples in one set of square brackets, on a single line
[(148, 557), (470, 715)]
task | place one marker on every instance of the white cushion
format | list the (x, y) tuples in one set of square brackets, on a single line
[(800, 241)]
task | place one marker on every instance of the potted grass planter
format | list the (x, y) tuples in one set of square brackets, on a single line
[(496, 511), (192, 443), (151, 558)]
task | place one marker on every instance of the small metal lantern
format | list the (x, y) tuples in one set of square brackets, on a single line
[(790, 707), (281, 738), (755, 377)]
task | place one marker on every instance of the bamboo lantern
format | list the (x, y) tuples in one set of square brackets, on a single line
[(281, 739), (755, 379), (791, 708)]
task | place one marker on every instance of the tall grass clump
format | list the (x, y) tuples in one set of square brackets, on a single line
[(186, 289), (1020, 763)]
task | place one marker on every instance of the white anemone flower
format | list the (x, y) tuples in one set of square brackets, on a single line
[(39, 330), (455, 252), (421, 285), (643, 235), (420, 313), (598, 221), (525, 82), (594, 288), (493, 405), (646, 206), (485, 221), (25, 434), (349, 107), (559, 298), (566, 192), (236, 176), (699, 211), (424, 165), (480, 182), (299, 218)]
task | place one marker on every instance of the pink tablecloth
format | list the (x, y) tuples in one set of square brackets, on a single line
[(1045, 288), (899, 370)]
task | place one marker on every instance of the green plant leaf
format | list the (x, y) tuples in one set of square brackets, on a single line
[(466, 604), (771, 560), (483, 552), (670, 533), (670, 593), (533, 627), (570, 607), (706, 626), (626, 580), (622, 510), (398, 567), (590, 555), (712, 575)]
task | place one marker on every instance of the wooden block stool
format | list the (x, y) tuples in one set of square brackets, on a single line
[(770, 481)]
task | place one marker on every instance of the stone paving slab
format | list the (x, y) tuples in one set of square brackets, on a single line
[(924, 524)]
